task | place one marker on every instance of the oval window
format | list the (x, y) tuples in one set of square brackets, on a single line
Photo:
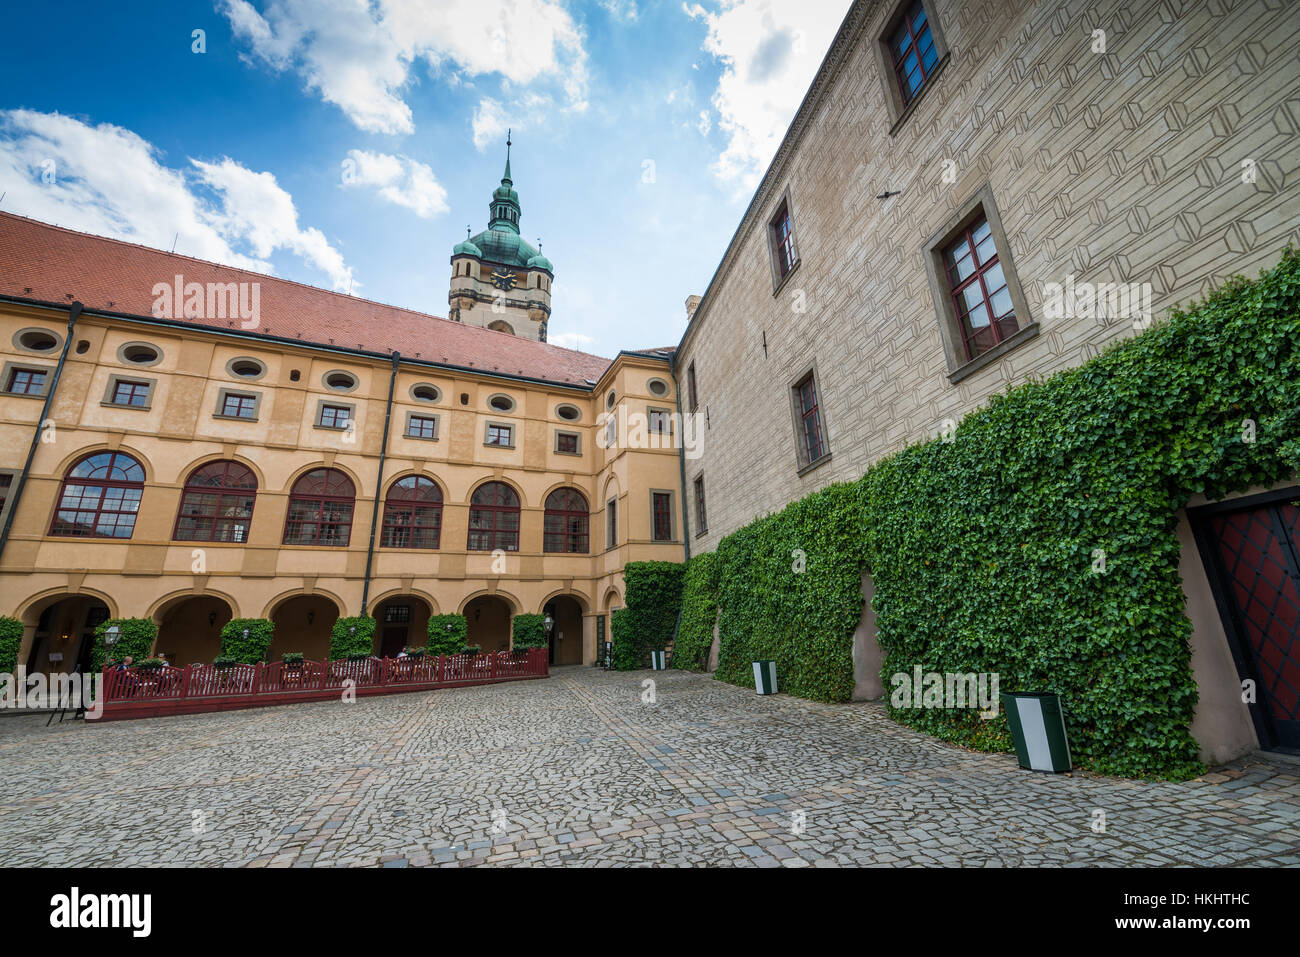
[(423, 392), (609, 402), (502, 403), (139, 354), (570, 413), (340, 381), (246, 368), (658, 387), (36, 340)]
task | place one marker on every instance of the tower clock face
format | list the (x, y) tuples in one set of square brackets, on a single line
[(504, 278)]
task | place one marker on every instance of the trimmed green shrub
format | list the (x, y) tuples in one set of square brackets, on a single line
[(529, 631), (471, 650), (622, 627), (250, 650), (983, 547), (11, 639), (222, 662), (699, 613), (415, 652), (444, 641), (135, 637), (352, 637), (152, 664), (292, 657), (653, 595)]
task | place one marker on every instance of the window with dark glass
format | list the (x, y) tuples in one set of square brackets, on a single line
[(320, 509), (6, 484), (912, 47), (26, 382), (335, 416), (662, 515), (494, 518), (690, 387), (422, 427), (412, 514), (566, 442), (783, 240), (499, 435), (701, 516), (980, 295), (611, 523), (566, 522), (811, 439), (239, 406), (130, 393), (100, 497), (217, 503)]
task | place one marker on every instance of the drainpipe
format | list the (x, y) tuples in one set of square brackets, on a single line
[(73, 312), (681, 455), (379, 486)]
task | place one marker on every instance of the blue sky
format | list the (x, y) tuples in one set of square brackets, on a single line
[(348, 144)]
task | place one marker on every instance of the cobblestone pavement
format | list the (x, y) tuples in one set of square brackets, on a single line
[(576, 769)]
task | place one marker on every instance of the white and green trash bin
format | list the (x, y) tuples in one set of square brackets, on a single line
[(658, 660), (765, 677), (1038, 730)]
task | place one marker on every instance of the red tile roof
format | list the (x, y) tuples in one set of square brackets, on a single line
[(51, 264)]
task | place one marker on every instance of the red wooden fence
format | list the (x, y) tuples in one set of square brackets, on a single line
[(150, 693)]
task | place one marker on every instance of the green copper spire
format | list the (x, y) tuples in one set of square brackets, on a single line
[(504, 210)]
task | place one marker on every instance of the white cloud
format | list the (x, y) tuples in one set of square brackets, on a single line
[(625, 10), (107, 180), (358, 54), (705, 124), (399, 179), (770, 51)]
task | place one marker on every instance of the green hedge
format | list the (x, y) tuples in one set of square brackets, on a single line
[(622, 629), (529, 631), (653, 596), (250, 651), (135, 638), (442, 641), (346, 645), (11, 638), (699, 612), (981, 548)]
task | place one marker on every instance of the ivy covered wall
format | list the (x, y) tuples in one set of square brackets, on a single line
[(984, 546)]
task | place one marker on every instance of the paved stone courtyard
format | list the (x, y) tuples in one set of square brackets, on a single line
[(576, 769)]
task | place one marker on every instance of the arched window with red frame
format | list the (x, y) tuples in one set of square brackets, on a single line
[(100, 497), (412, 514), (494, 518), (217, 504), (567, 522), (320, 509)]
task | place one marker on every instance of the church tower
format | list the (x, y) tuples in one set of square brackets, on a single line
[(498, 280)]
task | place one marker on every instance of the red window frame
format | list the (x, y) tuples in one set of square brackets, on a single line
[(567, 522), (661, 507), (412, 514), (422, 427), (493, 518), (810, 421), (495, 433), (330, 416), (102, 493), (566, 442), (26, 381), (245, 406), (320, 510), (908, 39), (977, 341), (126, 392), (701, 515), (216, 504), (783, 239)]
